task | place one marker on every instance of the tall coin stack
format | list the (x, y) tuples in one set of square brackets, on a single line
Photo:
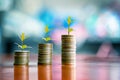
[(21, 57), (45, 53), (68, 49)]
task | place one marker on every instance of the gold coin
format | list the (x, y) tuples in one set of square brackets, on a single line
[(67, 35), (21, 57), (45, 57), (68, 61), (45, 51), (45, 46), (44, 61)]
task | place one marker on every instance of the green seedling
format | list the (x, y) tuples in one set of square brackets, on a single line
[(46, 38), (22, 39), (69, 22)]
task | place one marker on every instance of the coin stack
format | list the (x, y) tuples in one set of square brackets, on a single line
[(45, 53), (21, 57), (68, 49)]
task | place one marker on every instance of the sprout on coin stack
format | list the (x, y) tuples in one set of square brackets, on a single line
[(68, 45), (45, 49), (21, 57)]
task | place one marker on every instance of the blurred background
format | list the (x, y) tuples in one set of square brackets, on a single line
[(96, 26)]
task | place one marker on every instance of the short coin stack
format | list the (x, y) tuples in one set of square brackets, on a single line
[(21, 57), (68, 49), (45, 53)]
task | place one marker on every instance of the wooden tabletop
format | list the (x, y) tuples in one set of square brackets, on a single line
[(86, 68)]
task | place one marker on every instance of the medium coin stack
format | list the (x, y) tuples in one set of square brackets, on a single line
[(45, 53), (68, 49), (21, 57)]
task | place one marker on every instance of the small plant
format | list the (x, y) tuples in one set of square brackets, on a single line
[(46, 38), (69, 22), (22, 39)]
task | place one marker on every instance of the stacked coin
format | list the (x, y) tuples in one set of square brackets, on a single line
[(68, 49), (21, 57), (45, 53)]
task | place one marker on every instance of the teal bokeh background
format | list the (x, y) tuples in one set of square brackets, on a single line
[(96, 22)]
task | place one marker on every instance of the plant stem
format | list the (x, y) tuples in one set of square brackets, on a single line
[(68, 29), (22, 45)]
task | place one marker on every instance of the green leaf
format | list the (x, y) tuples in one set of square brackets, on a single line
[(22, 37), (69, 20), (24, 46), (47, 39), (46, 29), (70, 30), (19, 46)]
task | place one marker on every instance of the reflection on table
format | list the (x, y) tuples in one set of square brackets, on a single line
[(21, 72), (92, 68), (44, 72), (68, 72)]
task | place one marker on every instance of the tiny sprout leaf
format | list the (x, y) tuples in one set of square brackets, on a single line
[(47, 39), (19, 46), (44, 39), (22, 37), (69, 20), (46, 29), (70, 29), (24, 46)]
